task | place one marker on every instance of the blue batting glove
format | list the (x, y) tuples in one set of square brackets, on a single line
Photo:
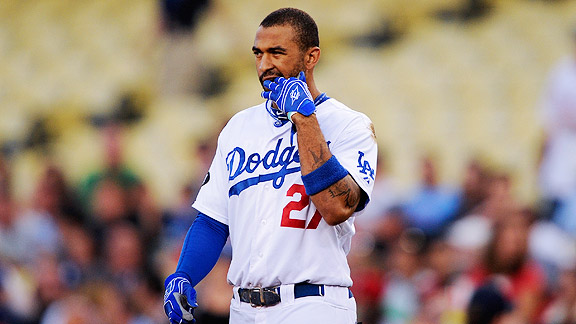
[(290, 95), (179, 300)]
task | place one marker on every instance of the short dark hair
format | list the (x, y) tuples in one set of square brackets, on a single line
[(304, 26)]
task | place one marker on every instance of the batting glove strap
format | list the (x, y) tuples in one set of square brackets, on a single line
[(179, 299)]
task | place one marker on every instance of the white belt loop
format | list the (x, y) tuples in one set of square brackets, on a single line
[(236, 298), (287, 295)]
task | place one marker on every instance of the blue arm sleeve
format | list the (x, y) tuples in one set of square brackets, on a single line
[(202, 247)]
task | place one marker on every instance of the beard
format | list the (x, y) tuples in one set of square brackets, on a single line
[(274, 73)]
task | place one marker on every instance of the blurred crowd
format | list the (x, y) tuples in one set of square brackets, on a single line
[(88, 252), (97, 251), (474, 253), (469, 254)]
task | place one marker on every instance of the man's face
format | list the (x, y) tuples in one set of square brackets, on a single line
[(276, 53)]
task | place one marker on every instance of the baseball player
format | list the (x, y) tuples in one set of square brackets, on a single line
[(288, 177)]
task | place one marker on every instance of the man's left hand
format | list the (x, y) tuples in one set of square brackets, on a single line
[(179, 300)]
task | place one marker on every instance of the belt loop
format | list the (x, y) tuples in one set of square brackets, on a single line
[(287, 294), (321, 288), (236, 296)]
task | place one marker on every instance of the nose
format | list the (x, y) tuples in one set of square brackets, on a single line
[(265, 63)]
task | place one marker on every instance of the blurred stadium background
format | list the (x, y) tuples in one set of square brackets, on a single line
[(437, 77)]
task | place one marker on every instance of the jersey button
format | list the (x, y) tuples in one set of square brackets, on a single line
[(263, 222), (260, 254)]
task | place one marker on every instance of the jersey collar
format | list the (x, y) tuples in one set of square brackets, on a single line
[(280, 118)]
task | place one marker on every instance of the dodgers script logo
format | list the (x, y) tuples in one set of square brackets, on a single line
[(365, 168), (239, 163)]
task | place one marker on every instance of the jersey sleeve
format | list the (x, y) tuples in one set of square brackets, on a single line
[(356, 149), (212, 198)]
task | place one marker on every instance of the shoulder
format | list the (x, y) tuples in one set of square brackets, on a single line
[(333, 113), (249, 116), (333, 108)]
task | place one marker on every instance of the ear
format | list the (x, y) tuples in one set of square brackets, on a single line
[(312, 57)]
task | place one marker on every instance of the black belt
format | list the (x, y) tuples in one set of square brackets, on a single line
[(270, 296)]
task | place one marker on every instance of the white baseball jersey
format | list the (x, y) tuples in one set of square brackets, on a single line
[(255, 186)]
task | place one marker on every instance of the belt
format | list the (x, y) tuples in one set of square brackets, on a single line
[(270, 296)]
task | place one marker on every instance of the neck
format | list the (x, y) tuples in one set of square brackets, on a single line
[(312, 87)]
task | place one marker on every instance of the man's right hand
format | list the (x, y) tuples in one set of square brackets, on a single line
[(179, 299), (290, 95)]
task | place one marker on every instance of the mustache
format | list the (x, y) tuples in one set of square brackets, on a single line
[(268, 73)]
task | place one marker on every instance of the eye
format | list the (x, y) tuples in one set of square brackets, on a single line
[(257, 54), (277, 53)]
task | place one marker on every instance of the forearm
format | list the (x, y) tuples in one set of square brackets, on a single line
[(202, 247), (337, 202)]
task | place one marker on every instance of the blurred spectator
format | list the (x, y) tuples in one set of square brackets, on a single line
[(553, 248), (54, 196), (499, 201), (25, 235), (113, 169), (388, 230), (79, 255), (432, 207), (562, 308), (367, 272), (401, 297), (440, 272), (470, 234), (488, 305), (147, 301), (50, 284), (35, 231), (124, 257), (115, 193), (507, 261), (74, 308), (473, 190), (558, 114), (112, 304)]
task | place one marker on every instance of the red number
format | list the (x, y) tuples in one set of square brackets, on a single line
[(298, 206)]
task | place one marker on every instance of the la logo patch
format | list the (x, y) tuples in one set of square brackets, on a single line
[(365, 168)]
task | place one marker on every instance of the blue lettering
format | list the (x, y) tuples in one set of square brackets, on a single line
[(253, 162), (285, 158), (230, 161), (237, 164), (365, 167), (271, 154)]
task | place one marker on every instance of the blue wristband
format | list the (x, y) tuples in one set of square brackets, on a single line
[(326, 175)]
